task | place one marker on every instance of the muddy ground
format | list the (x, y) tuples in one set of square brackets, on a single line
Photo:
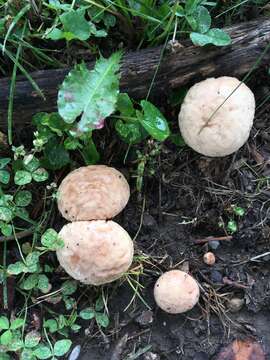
[(190, 197)]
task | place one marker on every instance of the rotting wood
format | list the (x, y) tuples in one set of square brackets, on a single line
[(189, 64)]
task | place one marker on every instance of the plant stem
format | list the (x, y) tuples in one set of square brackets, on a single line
[(5, 292)]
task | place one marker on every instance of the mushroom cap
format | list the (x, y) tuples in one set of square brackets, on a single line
[(95, 192), (214, 128), (95, 252), (176, 292), (209, 258)]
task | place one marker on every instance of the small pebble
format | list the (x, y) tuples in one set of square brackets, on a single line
[(214, 244), (216, 277), (235, 304), (75, 353), (145, 318)]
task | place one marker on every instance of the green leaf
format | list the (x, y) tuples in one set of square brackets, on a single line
[(4, 355), (4, 177), (76, 25), (6, 229), (4, 162), (40, 175), (5, 214), (177, 140), (192, 21), (30, 282), (6, 338), (17, 268), (43, 352), (99, 304), (17, 323), (70, 303), (51, 324), (32, 261), (75, 327), (239, 211), (23, 198), (52, 121), (87, 314), (203, 19), (102, 319), (72, 143), (125, 105), (27, 354), (32, 339), (153, 121), (90, 153), (232, 226), (191, 6), (51, 240), (55, 34), (61, 347), (130, 132), (22, 177), (216, 37), (90, 93), (43, 283), (69, 287), (4, 323), (56, 155), (15, 345), (31, 163)]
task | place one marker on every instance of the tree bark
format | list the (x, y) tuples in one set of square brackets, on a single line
[(187, 65)]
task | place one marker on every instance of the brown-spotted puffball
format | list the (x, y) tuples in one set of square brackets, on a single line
[(95, 192), (95, 252), (176, 292), (217, 115), (209, 258)]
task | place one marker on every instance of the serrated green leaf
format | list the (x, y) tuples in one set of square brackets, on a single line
[(102, 319), (153, 121), (61, 347), (4, 323), (22, 177), (4, 177), (51, 240), (90, 93), (87, 314), (32, 339), (130, 132), (69, 287), (31, 163), (5, 214), (23, 198), (216, 37), (125, 105), (203, 19), (43, 352), (30, 282), (6, 338), (17, 323), (40, 175), (17, 268)]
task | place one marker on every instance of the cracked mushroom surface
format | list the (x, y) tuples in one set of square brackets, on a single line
[(217, 115), (95, 192), (176, 292), (95, 252)]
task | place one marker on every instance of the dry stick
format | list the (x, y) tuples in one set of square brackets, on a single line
[(19, 235), (213, 238)]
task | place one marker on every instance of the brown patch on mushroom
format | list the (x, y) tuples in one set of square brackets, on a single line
[(95, 192), (104, 253)]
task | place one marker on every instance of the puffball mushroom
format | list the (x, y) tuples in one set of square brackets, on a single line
[(95, 252), (217, 115), (95, 192), (176, 292), (209, 258)]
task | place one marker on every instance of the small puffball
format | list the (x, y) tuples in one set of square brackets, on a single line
[(95, 252), (217, 115), (176, 292), (95, 192), (209, 258), (235, 304)]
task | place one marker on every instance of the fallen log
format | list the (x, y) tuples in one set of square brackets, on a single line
[(190, 63)]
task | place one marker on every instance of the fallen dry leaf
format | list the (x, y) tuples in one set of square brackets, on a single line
[(242, 350)]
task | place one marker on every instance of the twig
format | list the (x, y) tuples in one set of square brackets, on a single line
[(213, 238), (19, 235), (227, 281)]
